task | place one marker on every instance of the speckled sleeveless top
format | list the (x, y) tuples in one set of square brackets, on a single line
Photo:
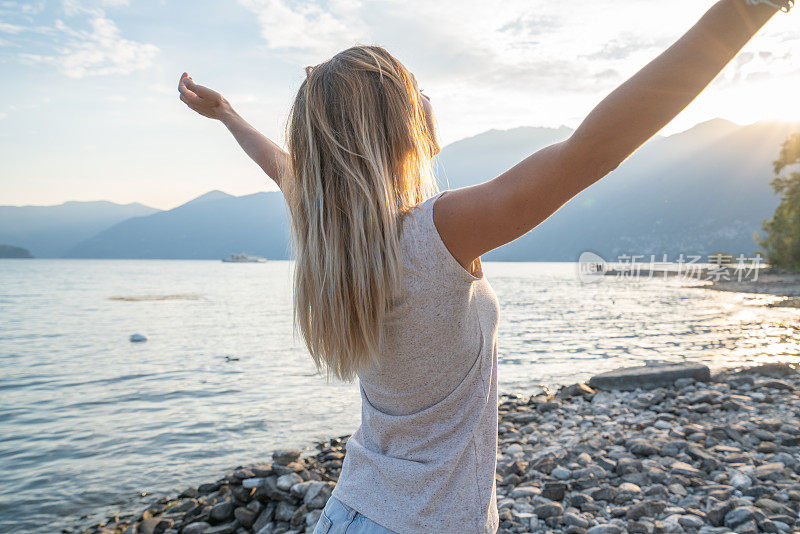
[(424, 458)]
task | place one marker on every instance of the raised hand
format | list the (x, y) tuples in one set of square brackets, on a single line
[(203, 100), (269, 156)]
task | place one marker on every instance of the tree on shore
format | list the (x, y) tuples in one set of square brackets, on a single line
[(781, 244)]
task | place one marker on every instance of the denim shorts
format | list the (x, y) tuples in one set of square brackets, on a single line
[(338, 518)]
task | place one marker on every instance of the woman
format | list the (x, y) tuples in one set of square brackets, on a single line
[(388, 280)]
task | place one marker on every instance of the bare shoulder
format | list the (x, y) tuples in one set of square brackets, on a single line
[(455, 214)]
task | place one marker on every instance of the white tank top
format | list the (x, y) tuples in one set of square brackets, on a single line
[(423, 459)]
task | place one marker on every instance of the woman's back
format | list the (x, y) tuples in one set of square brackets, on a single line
[(424, 457), (360, 138)]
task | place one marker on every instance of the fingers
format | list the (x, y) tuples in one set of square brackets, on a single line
[(187, 96), (194, 104), (199, 90), (187, 93), (186, 101), (196, 97), (188, 82), (182, 81)]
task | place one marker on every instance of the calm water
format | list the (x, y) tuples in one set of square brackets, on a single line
[(89, 420)]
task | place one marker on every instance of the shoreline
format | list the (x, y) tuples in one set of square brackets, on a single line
[(774, 283), (769, 282), (673, 450)]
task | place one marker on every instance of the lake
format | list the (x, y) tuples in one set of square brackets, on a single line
[(90, 421)]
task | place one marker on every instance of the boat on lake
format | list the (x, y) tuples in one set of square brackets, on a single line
[(244, 258)]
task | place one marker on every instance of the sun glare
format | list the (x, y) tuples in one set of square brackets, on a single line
[(767, 100)]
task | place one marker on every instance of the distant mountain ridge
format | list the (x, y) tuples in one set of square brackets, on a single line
[(698, 192), (701, 191), (49, 231), (211, 226), (8, 251)]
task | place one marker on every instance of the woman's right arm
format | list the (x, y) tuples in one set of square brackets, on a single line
[(474, 220), (270, 157)]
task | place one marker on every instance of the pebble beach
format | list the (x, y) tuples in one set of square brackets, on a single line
[(669, 452)]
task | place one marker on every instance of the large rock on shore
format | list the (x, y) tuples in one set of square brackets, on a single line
[(650, 376)]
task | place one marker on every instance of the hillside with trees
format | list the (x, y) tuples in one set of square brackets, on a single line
[(781, 243)]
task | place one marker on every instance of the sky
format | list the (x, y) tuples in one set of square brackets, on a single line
[(89, 107)]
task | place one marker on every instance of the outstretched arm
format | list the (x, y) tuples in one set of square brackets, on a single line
[(269, 156), (474, 220)]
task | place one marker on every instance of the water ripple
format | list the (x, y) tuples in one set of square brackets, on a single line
[(89, 420)]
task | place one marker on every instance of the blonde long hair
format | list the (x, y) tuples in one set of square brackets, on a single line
[(360, 150)]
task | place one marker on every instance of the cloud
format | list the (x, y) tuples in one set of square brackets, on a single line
[(519, 62), (32, 8), (531, 24), (102, 51), (87, 43), (25, 9), (10, 28), (522, 47), (73, 7), (769, 57), (307, 28), (523, 42), (627, 45)]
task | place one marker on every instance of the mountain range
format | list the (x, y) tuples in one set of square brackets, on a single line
[(50, 231), (701, 191), (211, 226)]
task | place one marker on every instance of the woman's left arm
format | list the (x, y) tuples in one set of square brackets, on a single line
[(474, 220), (649, 100), (269, 156)]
